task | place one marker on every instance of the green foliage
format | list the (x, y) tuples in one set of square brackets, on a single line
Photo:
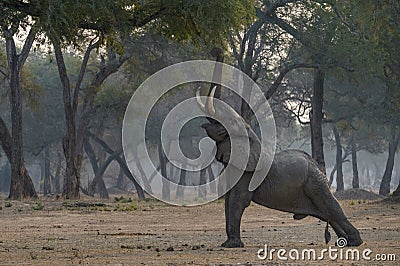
[(205, 21), (371, 40), (126, 207), (71, 21), (123, 200)]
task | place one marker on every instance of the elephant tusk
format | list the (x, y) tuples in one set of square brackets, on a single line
[(210, 102), (199, 103)]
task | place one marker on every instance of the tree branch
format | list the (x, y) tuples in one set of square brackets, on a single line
[(27, 46), (92, 156), (289, 29), (121, 163), (82, 72), (275, 85), (282, 74), (136, 22)]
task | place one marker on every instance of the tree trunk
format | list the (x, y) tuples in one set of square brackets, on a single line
[(182, 182), (146, 182), (356, 181), (72, 157), (121, 184), (166, 191), (74, 139), (98, 180), (317, 142), (368, 175), (41, 182), (377, 178), (73, 170), (46, 181), (339, 169), (332, 175), (202, 192), (57, 175), (384, 189), (128, 173), (121, 163), (21, 183), (213, 187), (5, 138), (97, 185), (5, 178)]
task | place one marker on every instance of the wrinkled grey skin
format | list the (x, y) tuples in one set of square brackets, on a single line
[(294, 184)]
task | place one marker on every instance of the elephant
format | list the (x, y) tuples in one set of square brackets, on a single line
[(294, 183)]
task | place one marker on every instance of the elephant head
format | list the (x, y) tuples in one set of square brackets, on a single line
[(239, 129)]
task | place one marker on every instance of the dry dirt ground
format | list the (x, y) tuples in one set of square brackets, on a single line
[(57, 232)]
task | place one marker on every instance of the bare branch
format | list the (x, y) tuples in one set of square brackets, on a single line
[(106, 69), (83, 70), (282, 74), (120, 161), (27, 46)]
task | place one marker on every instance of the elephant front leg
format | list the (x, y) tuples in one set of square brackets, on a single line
[(236, 202)]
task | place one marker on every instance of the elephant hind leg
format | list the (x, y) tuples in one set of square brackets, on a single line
[(316, 188)]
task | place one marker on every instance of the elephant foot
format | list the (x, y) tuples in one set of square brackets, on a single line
[(233, 243), (299, 216), (354, 241)]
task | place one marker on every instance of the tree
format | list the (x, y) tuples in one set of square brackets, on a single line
[(115, 155), (353, 144), (378, 42), (151, 53), (394, 141), (11, 23), (169, 18), (309, 42), (339, 171), (107, 24)]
